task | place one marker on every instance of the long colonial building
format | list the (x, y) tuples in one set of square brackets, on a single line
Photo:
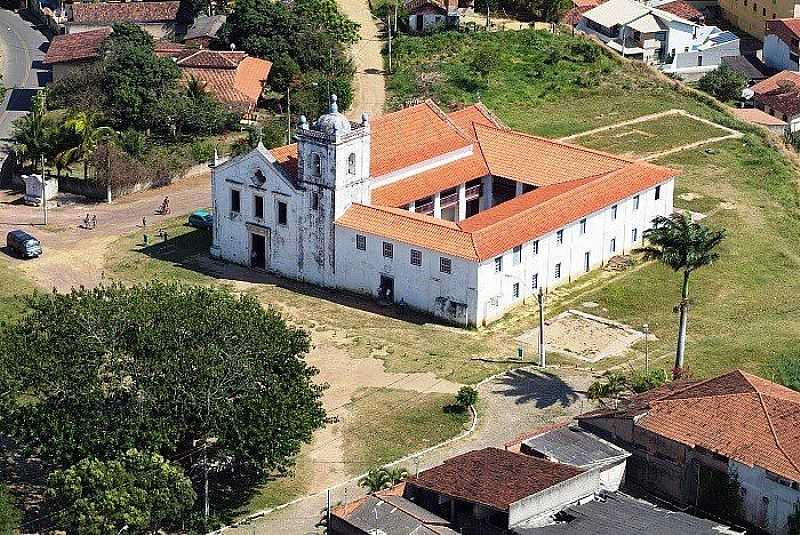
[(452, 214)]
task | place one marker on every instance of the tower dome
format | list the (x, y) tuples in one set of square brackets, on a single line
[(333, 123)]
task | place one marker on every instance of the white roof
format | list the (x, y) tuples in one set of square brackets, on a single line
[(619, 12), (647, 24)]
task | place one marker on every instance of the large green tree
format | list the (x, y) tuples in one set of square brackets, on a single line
[(87, 133), (10, 516), (158, 367), (685, 246), (33, 134), (140, 490)]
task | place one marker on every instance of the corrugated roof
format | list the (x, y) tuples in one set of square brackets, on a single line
[(573, 446)]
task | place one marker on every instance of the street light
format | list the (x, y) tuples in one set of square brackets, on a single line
[(646, 329)]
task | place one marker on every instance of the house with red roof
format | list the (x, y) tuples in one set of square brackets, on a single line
[(779, 96), (687, 435), (455, 214), (782, 44), (158, 18)]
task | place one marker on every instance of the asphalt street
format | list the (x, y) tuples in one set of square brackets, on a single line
[(22, 49)]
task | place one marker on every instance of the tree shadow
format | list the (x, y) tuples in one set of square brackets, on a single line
[(542, 389), (26, 477)]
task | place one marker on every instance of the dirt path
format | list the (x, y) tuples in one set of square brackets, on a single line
[(369, 91)]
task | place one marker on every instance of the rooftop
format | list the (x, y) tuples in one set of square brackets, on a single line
[(110, 12), (754, 115), (392, 515), (572, 445), (75, 46), (205, 27), (682, 9), (233, 77), (493, 477), (619, 12), (738, 415), (784, 28), (780, 92)]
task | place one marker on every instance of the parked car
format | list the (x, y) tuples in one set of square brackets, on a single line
[(23, 244), (201, 219)]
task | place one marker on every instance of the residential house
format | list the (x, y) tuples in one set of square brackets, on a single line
[(751, 67), (451, 214), (431, 15), (204, 30), (659, 37), (779, 96), (681, 9), (233, 77), (782, 44), (159, 19), (74, 51), (386, 513), (686, 435), (761, 118), (752, 15)]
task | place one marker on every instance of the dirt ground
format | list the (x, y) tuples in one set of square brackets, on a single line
[(370, 86)]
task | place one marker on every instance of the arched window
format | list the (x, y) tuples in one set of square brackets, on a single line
[(351, 164), (316, 164)]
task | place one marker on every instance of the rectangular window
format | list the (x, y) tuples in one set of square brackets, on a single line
[(388, 250), (560, 236), (557, 271), (498, 264), (583, 226), (614, 212), (658, 192), (613, 247), (315, 201), (361, 242), (586, 261), (282, 216), (236, 201), (794, 58), (536, 247), (535, 281), (258, 209), (445, 265), (416, 257), (635, 235), (518, 254), (515, 290), (636, 202)]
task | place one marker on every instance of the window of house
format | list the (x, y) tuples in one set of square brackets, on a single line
[(282, 215), (316, 164), (236, 201), (416, 257), (557, 271), (258, 207), (635, 234), (315, 201), (583, 226), (445, 265), (388, 250), (636, 202), (535, 281), (745, 2), (763, 12), (351, 164), (755, 7), (614, 212), (586, 261), (361, 242), (613, 247), (658, 192), (560, 236), (498, 264), (518, 254), (536, 247), (773, 16), (794, 58), (699, 61), (515, 291)]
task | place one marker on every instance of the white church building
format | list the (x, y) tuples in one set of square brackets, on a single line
[(452, 214)]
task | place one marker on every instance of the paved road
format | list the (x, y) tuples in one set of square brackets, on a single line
[(22, 49)]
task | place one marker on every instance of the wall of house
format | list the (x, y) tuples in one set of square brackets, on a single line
[(158, 30), (61, 70), (793, 123), (767, 503), (430, 22), (496, 289), (778, 55), (554, 498), (452, 296), (612, 475), (750, 15), (712, 57)]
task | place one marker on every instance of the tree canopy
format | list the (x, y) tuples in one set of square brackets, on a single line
[(723, 83), (157, 367), (10, 516), (141, 491)]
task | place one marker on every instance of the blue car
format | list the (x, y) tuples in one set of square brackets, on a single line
[(201, 219)]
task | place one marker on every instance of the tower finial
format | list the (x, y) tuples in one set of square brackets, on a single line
[(334, 108)]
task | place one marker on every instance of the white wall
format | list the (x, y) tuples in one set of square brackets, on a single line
[(554, 498), (776, 54), (770, 514)]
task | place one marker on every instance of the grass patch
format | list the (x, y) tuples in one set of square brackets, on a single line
[(416, 421), (13, 287), (648, 138)]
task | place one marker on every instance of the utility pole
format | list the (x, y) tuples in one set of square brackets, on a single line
[(328, 513), (395, 15), (44, 192), (646, 329), (487, 16), (330, 73), (206, 507), (389, 28), (288, 118), (542, 356)]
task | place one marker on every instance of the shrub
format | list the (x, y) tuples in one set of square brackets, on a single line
[(723, 83), (466, 397)]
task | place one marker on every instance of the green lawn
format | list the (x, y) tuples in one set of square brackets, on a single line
[(13, 286), (648, 138)]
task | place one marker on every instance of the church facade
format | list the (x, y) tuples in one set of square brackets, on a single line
[(450, 214)]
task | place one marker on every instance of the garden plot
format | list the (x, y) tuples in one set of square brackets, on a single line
[(584, 336), (653, 136)]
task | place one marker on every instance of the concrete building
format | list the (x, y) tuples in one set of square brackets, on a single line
[(158, 18), (752, 15), (659, 37), (426, 16), (389, 513), (454, 215), (761, 118), (782, 44), (779, 96), (686, 436), (71, 52)]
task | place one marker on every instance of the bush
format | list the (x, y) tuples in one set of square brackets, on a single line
[(9, 514), (723, 83), (202, 150), (642, 382), (466, 397)]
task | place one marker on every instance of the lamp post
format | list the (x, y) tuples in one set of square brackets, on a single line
[(646, 329)]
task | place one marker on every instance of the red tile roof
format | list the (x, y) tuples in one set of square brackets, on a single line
[(738, 415), (110, 12), (233, 77), (780, 92), (493, 477), (682, 9), (784, 29), (754, 115), (466, 118), (75, 46)]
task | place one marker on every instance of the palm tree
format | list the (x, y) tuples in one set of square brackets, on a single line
[(376, 479), (85, 125), (33, 134), (685, 246)]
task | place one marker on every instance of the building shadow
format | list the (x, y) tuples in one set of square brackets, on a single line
[(21, 99), (190, 251), (542, 389)]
